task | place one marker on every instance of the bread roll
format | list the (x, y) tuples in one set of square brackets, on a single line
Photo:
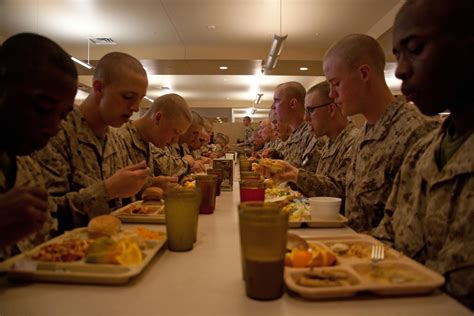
[(103, 225), (152, 194)]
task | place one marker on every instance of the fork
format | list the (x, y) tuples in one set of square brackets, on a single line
[(378, 253)]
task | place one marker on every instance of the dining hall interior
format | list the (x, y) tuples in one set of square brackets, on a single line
[(227, 60)]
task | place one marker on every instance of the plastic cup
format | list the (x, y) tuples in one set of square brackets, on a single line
[(220, 175), (324, 208), (181, 211), (252, 190), (263, 233), (207, 186)]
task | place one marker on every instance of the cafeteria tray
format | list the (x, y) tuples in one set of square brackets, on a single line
[(319, 223), (23, 267), (395, 275), (156, 218)]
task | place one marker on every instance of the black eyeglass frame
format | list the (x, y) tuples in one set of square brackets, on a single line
[(310, 109)]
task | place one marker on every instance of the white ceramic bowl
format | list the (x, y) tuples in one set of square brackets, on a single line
[(324, 208)]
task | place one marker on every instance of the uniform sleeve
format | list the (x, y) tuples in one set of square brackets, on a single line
[(311, 184), (168, 165), (88, 200)]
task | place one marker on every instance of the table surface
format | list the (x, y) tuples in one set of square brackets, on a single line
[(204, 281)]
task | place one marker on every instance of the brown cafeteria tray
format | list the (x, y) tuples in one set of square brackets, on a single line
[(24, 268), (155, 218), (395, 275), (339, 222)]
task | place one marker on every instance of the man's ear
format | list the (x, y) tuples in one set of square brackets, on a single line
[(98, 87), (365, 72), (333, 109), (293, 103), (157, 117)]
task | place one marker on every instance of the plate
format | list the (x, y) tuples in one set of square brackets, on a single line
[(354, 272), (340, 222), (125, 216), (24, 267)]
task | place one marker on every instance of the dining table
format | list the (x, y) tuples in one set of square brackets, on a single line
[(205, 281)]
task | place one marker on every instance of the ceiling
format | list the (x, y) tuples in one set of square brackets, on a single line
[(182, 43)]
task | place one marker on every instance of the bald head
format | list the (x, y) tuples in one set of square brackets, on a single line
[(293, 89), (358, 49), (172, 106), (112, 65), (323, 89)]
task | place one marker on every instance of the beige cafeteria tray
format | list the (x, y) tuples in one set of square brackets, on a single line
[(157, 217), (24, 268), (395, 275), (319, 223)]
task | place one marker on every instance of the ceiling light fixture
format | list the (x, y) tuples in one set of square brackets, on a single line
[(276, 48), (80, 62), (223, 68), (303, 68), (148, 98), (258, 99)]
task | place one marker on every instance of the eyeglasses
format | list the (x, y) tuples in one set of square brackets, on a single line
[(310, 109)]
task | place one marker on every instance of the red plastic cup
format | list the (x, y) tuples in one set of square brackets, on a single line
[(207, 185), (252, 190)]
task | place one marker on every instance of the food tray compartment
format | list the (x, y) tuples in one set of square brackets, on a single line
[(25, 267), (339, 222), (156, 217), (358, 250)]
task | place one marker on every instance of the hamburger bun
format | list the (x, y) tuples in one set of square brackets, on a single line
[(153, 194), (103, 225), (272, 165)]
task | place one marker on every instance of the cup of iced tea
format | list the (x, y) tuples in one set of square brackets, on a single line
[(263, 234), (249, 175), (181, 213), (220, 175), (207, 186), (252, 190)]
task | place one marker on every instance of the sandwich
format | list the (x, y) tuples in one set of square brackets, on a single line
[(153, 194), (103, 226)]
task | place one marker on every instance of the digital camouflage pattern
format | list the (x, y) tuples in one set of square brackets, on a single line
[(168, 162), (312, 155), (430, 212), (137, 149), (336, 156), (29, 174), (378, 155), (297, 144), (248, 130), (75, 164)]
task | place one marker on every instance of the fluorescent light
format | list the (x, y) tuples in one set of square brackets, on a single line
[(303, 68), (223, 67), (80, 62), (148, 98), (444, 113), (275, 51)]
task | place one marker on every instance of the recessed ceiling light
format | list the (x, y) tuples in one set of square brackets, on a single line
[(303, 68), (211, 27), (223, 67)]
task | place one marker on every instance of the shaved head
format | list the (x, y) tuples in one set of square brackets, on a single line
[(112, 65), (358, 49), (171, 106), (293, 89)]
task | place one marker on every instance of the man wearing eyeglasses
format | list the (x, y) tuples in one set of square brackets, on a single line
[(325, 119)]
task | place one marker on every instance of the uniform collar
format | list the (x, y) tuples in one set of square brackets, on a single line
[(381, 128)]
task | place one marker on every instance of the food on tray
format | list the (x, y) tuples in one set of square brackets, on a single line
[(357, 249), (103, 225), (294, 241), (314, 256), (324, 278), (298, 210), (149, 234), (281, 193), (272, 165), (143, 209), (69, 250), (391, 274), (106, 250), (153, 194), (189, 184)]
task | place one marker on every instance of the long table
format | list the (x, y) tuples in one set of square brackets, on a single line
[(204, 281)]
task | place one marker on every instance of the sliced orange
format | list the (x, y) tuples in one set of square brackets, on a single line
[(300, 258), (131, 256)]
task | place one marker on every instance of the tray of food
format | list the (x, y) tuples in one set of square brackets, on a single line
[(299, 215), (341, 266), (102, 253), (151, 209)]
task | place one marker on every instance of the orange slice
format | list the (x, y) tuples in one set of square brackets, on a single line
[(132, 255)]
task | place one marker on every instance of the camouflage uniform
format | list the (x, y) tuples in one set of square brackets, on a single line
[(137, 149), (75, 163), (336, 157), (312, 155), (298, 144), (379, 153), (248, 130), (430, 212), (168, 162), (29, 174)]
